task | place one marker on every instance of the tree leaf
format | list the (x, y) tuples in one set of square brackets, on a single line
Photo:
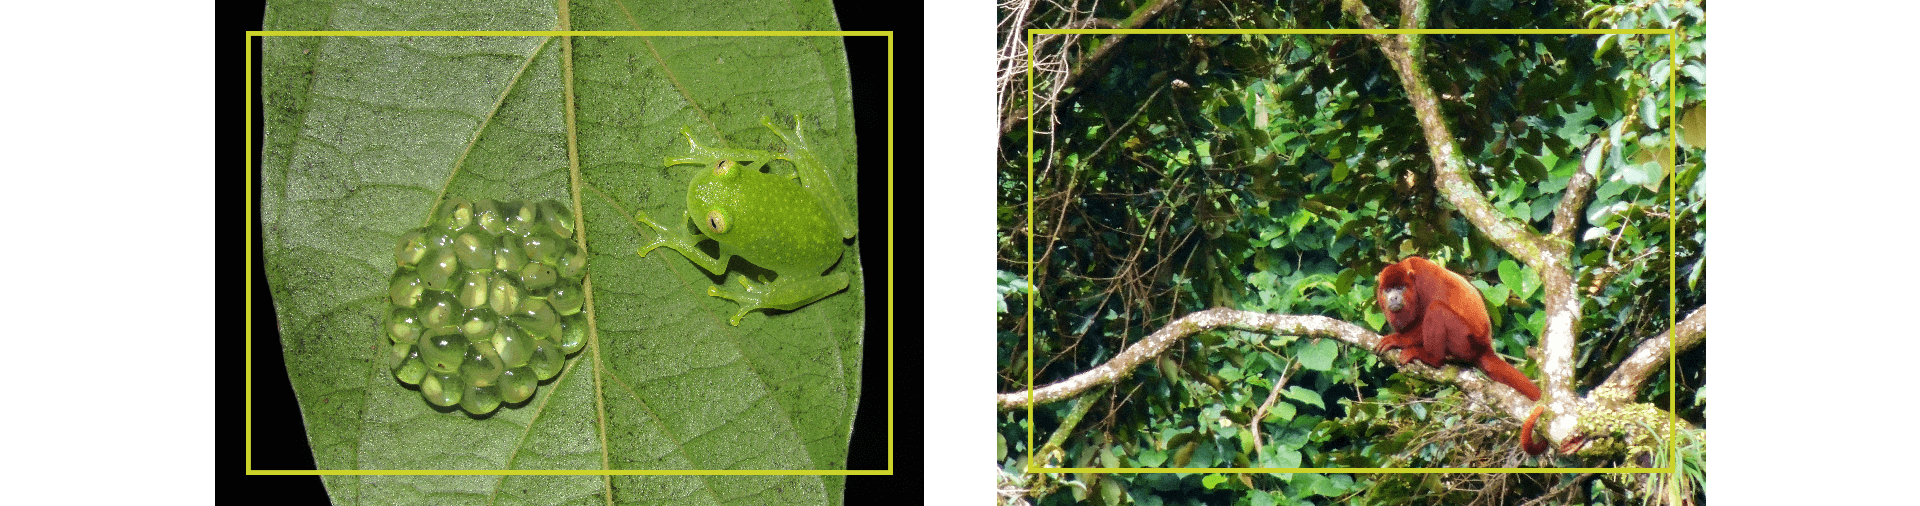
[(364, 135)]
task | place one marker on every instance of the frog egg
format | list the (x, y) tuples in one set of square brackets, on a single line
[(509, 255), (537, 277), (486, 214), (438, 271), (542, 248), (573, 335), (535, 317), (473, 291), (480, 400), (403, 326), (482, 365), (406, 364), (572, 263), (442, 389), (438, 309), (475, 251), (478, 323), (412, 248), (566, 297), (517, 384), (405, 288), (557, 217), (455, 214), (443, 349), (521, 220), (547, 359), (513, 345), (504, 292)]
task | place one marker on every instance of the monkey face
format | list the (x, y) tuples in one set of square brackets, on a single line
[(1396, 298)]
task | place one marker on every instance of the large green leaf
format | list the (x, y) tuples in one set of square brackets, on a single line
[(364, 135)]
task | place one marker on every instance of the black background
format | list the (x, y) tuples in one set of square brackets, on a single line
[(279, 436)]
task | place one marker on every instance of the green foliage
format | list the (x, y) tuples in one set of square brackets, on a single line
[(1279, 173)]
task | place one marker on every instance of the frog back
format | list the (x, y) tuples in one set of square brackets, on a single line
[(768, 219)]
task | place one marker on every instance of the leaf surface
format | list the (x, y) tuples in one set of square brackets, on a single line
[(365, 135)]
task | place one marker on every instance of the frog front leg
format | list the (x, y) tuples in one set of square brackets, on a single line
[(709, 157), (784, 293), (688, 245)]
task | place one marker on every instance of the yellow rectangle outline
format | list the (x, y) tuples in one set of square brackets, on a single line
[(569, 472), (1672, 306)]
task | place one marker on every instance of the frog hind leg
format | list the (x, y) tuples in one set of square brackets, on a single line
[(708, 154), (784, 293), (812, 175)]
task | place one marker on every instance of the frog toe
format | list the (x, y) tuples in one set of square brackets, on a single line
[(749, 299)]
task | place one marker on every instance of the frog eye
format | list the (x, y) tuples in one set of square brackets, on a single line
[(716, 222), (723, 167)]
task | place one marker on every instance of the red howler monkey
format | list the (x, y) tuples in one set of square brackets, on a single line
[(1439, 318)]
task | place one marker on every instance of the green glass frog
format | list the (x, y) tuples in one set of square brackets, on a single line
[(791, 225)]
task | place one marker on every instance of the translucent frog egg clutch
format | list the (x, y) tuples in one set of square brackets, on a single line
[(486, 302)]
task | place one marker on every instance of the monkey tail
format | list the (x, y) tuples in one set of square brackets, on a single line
[(1527, 442), (1501, 371)]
